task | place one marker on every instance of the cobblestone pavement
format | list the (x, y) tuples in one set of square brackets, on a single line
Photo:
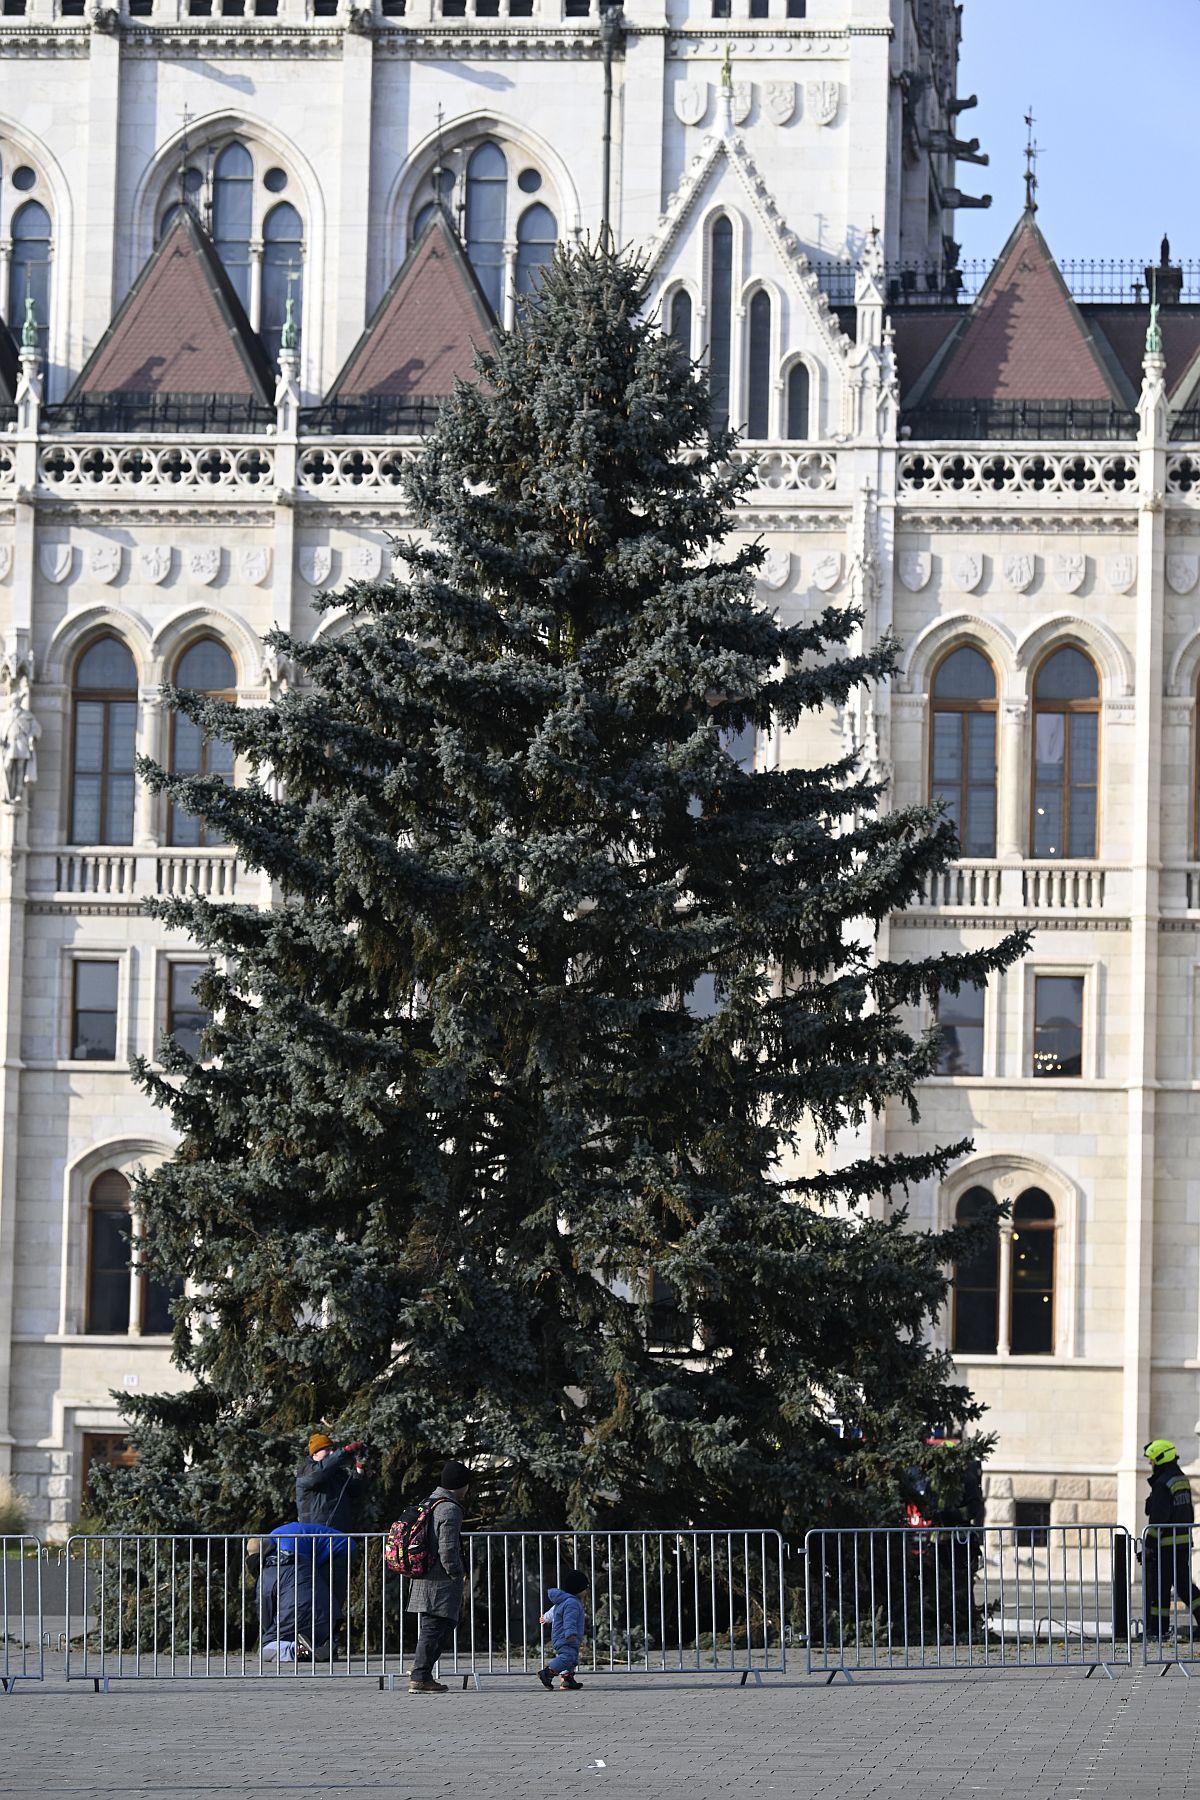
[(928, 1735)]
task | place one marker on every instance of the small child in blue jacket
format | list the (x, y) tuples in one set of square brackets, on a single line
[(566, 1622)]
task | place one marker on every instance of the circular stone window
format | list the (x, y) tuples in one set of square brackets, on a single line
[(529, 181), (275, 180), (24, 178), (193, 180)]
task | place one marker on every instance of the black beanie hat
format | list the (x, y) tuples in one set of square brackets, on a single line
[(574, 1581), (453, 1475)]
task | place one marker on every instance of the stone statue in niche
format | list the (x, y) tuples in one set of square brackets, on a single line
[(19, 743)]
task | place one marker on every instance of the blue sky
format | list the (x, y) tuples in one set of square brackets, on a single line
[(1113, 87)]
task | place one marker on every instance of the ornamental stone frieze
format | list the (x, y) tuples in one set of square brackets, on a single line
[(795, 47), (186, 43)]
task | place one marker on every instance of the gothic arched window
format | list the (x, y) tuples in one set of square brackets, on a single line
[(537, 234), (720, 320), (233, 216), (758, 370), (206, 667), (1032, 1332), (283, 254), (976, 1319), (680, 326), (104, 719), (1066, 755), (29, 270), (962, 759), (486, 212), (798, 402), (119, 1301)]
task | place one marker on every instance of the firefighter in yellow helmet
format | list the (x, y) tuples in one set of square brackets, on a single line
[(1167, 1565)]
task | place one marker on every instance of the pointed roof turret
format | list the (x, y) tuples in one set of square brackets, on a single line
[(180, 330), (426, 329), (1024, 338)]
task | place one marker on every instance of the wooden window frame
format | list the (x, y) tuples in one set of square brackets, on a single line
[(1066, 708), (966, 709)]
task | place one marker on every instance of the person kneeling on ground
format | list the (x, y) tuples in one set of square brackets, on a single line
[(301, 1585), (566, 1622), (437, 1595)]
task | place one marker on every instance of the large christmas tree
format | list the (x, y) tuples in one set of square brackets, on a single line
[(489, 1152)]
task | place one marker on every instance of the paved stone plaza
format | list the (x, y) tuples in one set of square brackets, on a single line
[(1028, 1735)]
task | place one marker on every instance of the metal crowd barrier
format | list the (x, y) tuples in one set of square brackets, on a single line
[(22, 1647), (1170, 1596), (684, 1602), (993, 1596)]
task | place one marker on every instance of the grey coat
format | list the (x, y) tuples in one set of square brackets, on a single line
[(441, 1591)]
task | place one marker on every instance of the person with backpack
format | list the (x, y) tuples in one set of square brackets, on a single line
[(436, 1594)]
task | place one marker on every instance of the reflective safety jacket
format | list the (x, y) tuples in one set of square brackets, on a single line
[(1169, 1505)]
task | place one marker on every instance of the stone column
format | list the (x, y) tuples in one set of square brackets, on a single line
[(148, 805), (97, 205), (13, 821)]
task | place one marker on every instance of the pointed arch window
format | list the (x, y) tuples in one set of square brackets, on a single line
[(486, 212), (233, 215), (720, 320), (104, 730), (680, 323), (1033, 1222), (537, 234), (120, 1302), (799, 424), (1066, 755), (976, 1288), (207, 667), (283, 254), (962, 760), (758, 398), (29, 270)]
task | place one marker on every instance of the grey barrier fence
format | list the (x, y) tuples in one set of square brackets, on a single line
[(684, 1602), (997, 1596), (22, 1648), (1170, 1596)]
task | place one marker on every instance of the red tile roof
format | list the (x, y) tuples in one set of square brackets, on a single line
[(426, 328), (1024, 338), (180, 329)]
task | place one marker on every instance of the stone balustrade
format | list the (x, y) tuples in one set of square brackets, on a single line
[(989, 885), (108, 873)]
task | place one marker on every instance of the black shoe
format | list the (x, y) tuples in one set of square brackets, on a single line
[(569, 1685), (546, 1679)]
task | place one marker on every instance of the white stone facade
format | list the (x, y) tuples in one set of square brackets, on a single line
[(821, 130)]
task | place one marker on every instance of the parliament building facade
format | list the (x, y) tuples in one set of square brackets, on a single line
[(245, 245)]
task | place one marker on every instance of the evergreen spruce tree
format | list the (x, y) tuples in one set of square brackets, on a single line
[(460, 1104)]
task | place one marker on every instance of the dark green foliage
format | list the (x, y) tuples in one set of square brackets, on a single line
[(455, 1111)]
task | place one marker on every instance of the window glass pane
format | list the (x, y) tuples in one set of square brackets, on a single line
[(1033, 1274), (978, 830), (85, 810), (1033, 1205), (721, 321), (118, 804), (107, 665), (207, 666), (29, 270), (189, 746), (701, 1001), (947, 753), (108, 1270), (122, 735), (758, 411), (681, 321), (1058, 1025), (960, 1019), (186, 1017), (797, 401), (965, 675), (487, 191), (157, 1296), (233, 206), (976, 1283), (283, 266), (537, 234), (94, 1020), (89, 736), (1067, 675)]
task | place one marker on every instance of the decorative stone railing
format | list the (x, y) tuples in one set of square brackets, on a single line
[(991, 885), (121, 466), (782, 469), (325, 467), (950, 471), (1183, 475), (106, 873)]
